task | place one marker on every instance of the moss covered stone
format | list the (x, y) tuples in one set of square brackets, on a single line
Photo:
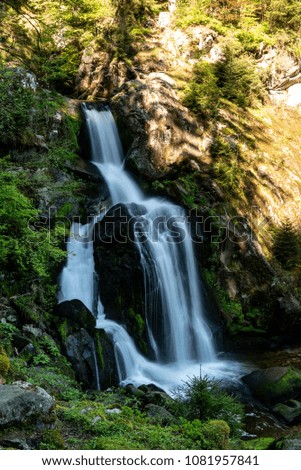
[(275, 385)]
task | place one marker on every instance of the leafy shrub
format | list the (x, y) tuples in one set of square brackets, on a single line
[(23, 250), (212, 435)]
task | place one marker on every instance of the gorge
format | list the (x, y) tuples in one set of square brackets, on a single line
[(146, 271)]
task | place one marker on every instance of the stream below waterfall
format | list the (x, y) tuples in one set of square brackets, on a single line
[(170, 273)]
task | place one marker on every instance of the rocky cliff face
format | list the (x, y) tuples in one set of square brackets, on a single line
[(245, 196)]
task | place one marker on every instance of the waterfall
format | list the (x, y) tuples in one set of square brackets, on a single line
[(170, 273)]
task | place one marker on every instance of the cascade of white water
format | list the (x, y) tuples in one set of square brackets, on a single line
[(171, 281), (77, 279)]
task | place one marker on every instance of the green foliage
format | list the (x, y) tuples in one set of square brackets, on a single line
[(49, 345), (216, 434), (7, 330), (237, 77), (287, 245), (4, 362), (26, 253), (16, 102), (41, 359), (52, 440), (234, 78), (211, 435), (47, 37), (131, 429), (204, 399), (284, 14), (261, 443), (202, 93)]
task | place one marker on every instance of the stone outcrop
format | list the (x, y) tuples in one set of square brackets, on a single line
[(156, 128), (90, 351), (284, 76), (275, 384), (122, 286), (290, 412), (21, 402), (100, 75)]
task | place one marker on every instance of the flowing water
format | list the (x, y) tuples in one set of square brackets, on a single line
[(170, 275)]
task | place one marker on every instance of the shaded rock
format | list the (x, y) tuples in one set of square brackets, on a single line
[(158, 398), (261, 423), (89, 350), (159, 415), (290, 412), (18, 443), (32, 331), (85, 170), (7, 313), (80, 350), (105, 354), (77, 312), (23, 401), (150, 388), (136, 392), (275, 384), (155, 128), (99, 74), (118, 224), (292, 442), (122, 288)]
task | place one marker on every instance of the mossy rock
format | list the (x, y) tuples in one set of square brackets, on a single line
[(292, 442), (290, 412), (275, 384), (260, 443), (77, 314)]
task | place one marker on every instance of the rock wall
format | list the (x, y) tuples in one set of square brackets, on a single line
[(168, 149)]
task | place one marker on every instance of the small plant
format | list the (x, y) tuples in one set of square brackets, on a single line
[(204, 399), (41, 359)]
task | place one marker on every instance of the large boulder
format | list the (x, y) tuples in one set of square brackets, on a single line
[(275, 384), (290, 412), (21, 402)]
